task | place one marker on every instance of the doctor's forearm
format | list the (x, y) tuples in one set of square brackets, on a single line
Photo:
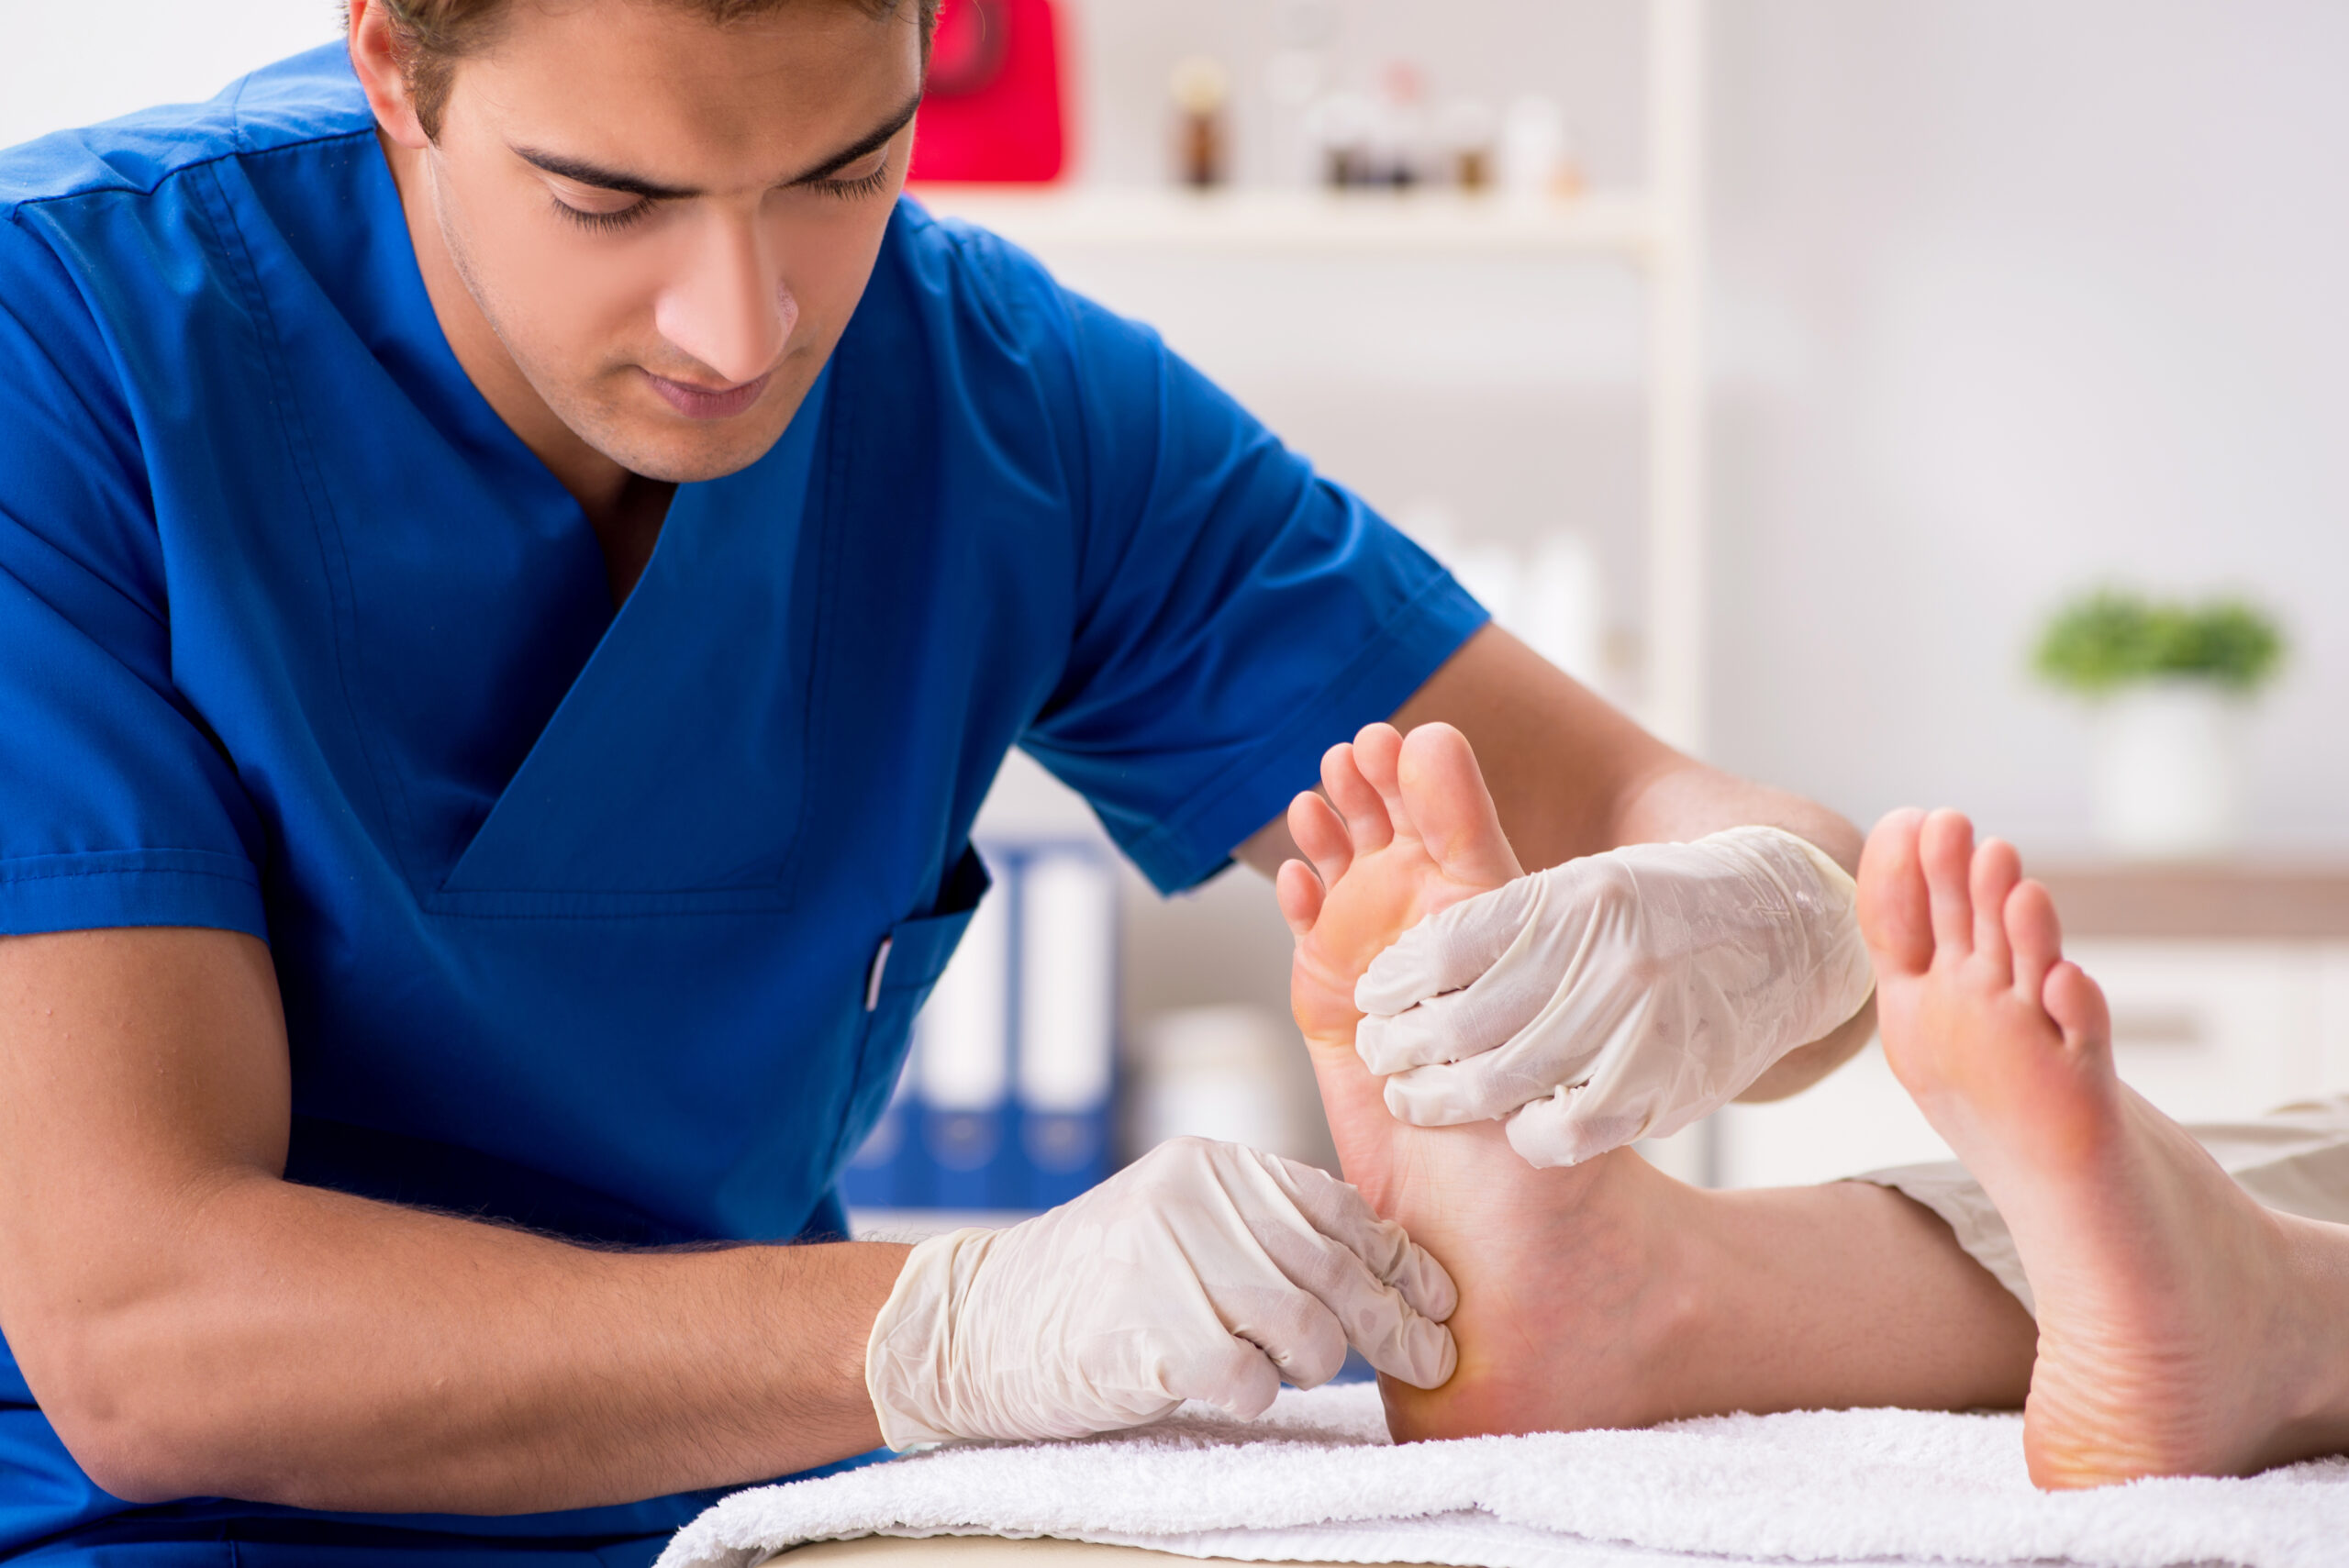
[(194, 1325), (1684, 800), (315, 1350)]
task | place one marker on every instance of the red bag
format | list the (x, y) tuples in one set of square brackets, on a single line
[(993, 109)]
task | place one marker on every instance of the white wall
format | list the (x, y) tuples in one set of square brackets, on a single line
[(2066, 281), (63, 64)]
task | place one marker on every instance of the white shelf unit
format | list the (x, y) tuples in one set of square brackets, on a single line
[(1658, 229), (1326, 223)]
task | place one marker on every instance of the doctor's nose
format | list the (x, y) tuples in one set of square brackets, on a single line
[(729, 307)]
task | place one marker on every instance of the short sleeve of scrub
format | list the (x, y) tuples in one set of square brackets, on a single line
[(117, 808), (1237, 613)]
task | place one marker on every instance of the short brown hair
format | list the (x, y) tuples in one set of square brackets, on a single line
[(433, 35)]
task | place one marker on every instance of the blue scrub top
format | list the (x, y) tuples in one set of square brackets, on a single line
[(575, 913)]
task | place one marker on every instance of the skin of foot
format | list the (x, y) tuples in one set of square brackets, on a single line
[(2183, 1330), (1605, 1293)]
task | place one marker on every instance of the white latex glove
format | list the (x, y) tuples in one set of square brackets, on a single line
[(1204, 1271), (1615, 997)]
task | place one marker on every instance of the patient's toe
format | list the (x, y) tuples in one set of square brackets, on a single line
[(1444, 791), (1945, 847), (2077, 1004), (1362, 805), (1894, 915), (1300, 894), (1997, 868), (1321, 834), (2034, 936), (1378, 749)]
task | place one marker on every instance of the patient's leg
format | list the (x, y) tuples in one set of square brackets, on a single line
[(2183, 1328), (1607, 1293)]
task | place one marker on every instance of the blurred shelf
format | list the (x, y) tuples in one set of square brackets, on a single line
[(2231, 902), (1242, 222)]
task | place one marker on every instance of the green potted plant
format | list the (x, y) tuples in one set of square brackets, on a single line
[(2169, 681)]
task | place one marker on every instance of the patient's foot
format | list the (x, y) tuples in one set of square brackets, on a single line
[(1555, 1318), (2183, 1330), (1605, 1293)]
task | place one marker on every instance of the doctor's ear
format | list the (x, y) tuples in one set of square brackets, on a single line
[(384, 58)]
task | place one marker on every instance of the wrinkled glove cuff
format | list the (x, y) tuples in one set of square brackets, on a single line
[(910, 1360), (1843, 962)]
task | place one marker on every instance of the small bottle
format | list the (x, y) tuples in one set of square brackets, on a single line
[(1202, 90), (1537, 155), (1340, 125), (1464, 132), (1400, 131)]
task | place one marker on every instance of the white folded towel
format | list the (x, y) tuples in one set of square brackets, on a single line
[(1316, 1480)]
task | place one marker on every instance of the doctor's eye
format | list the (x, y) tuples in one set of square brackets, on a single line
[(605, 222), (851, 186)]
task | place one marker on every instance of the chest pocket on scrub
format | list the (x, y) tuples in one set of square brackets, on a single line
[(904, 971)]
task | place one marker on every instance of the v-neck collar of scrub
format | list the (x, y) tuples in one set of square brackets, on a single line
[(602, 774)]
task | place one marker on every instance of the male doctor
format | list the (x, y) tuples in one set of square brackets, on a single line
[(519, 558)]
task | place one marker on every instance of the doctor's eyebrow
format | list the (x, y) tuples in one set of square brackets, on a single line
[(872, 141), (619, 180)]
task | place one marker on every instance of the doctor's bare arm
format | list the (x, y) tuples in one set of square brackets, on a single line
[(1573, 776), (195, 1325)]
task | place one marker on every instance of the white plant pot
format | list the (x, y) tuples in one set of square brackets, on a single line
[(2169, 772)]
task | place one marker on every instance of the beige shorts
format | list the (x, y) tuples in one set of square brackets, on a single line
[(2295, 1160)]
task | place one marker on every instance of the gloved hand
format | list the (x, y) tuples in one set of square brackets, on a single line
[(1204, 1271), (1615, 997)]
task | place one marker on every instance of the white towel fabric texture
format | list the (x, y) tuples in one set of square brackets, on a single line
[(1316, 1480)]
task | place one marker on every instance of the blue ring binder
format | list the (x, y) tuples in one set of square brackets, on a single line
[(1006, 1098)]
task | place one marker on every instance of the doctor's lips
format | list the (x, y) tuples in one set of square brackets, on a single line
[(709, 402)]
